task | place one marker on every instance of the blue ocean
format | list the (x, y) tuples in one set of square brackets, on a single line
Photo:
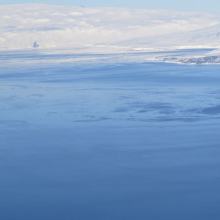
[(98, 138)]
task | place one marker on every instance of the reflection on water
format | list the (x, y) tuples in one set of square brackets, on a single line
[(115, 141)]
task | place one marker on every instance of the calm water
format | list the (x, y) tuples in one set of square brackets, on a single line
[(109, 141)]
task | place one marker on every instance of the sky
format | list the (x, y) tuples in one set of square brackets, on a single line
[(180, 5)]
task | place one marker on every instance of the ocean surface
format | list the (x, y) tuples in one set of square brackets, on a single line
[(114, 140)]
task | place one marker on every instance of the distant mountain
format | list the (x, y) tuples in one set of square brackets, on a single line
[(53, 26)]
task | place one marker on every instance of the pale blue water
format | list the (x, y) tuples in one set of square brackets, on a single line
[(110, 141)]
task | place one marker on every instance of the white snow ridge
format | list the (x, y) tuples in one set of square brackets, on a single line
[(56, 26)]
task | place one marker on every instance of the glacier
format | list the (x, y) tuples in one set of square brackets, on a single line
[(109, 30)]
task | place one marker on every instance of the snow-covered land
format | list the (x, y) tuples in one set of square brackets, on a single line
[(25, 26)]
